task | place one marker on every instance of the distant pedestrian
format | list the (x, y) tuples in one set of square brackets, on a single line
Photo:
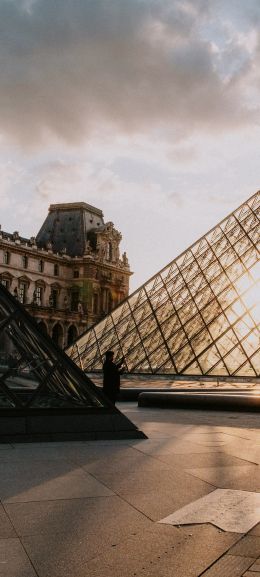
[(111, 376)]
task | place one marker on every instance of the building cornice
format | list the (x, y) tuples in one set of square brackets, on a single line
[(76, 205)]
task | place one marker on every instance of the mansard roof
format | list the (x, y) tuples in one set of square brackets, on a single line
[(67, 226)]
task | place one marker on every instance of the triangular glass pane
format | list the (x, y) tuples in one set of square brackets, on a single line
[(255, 362), (242, 213), (219, 370), (188, 311), (246, 370), (153, 341), (201, 342), (235, 359), (170, 326), (194, 326), (250, 343), (183, 358), (177, 341), (193, 369), (209, 359)]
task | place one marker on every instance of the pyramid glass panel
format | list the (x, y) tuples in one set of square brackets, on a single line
[(199, 315)]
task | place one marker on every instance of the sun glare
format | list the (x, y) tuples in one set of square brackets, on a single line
[(249, 291)]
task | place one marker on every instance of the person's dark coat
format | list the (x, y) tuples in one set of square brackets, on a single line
[(111, 380)]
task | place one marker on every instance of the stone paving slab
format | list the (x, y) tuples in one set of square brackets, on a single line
[(255, 530), (46, 480), (123, 465), (68, 452), (14, 561), (248, 546), (142, 481), (159, 552), (98, 515), (255, 566), (202, 460), (245, 449), (244, 478), (6, 528), (229, 566), (172, 446), (155, 505), (209, 438)]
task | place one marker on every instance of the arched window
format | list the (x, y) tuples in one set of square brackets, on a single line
[(72, 334), (57, 334), (42, 326)]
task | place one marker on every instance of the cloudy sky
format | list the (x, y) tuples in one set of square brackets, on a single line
[(147, 109)]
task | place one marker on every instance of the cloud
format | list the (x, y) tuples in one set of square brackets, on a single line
[(71, 68)]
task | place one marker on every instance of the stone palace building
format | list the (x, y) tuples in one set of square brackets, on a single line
[(71, 274)]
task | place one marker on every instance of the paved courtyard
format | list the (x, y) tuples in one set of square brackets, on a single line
[(183, 503)]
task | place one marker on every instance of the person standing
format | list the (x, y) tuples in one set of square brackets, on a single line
[(111, 376)]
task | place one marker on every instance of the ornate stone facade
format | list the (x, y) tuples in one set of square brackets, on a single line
[(71, 274)]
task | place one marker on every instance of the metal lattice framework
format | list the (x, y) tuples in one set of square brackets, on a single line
[(199, 315)]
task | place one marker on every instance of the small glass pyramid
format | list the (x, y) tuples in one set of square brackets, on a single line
[(200, 315), (43, 394)]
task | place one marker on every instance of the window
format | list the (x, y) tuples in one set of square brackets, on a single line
[(5, 282), (53, 300), (6, 257), (76, 273), (41, 265), (24, 261), (95, 303), (56, 270), (22, 292), (74, 300), (38, 295), (107, 303)]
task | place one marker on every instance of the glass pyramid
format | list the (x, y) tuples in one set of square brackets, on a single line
[(43, 394), (34, 372), (199, 315)]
